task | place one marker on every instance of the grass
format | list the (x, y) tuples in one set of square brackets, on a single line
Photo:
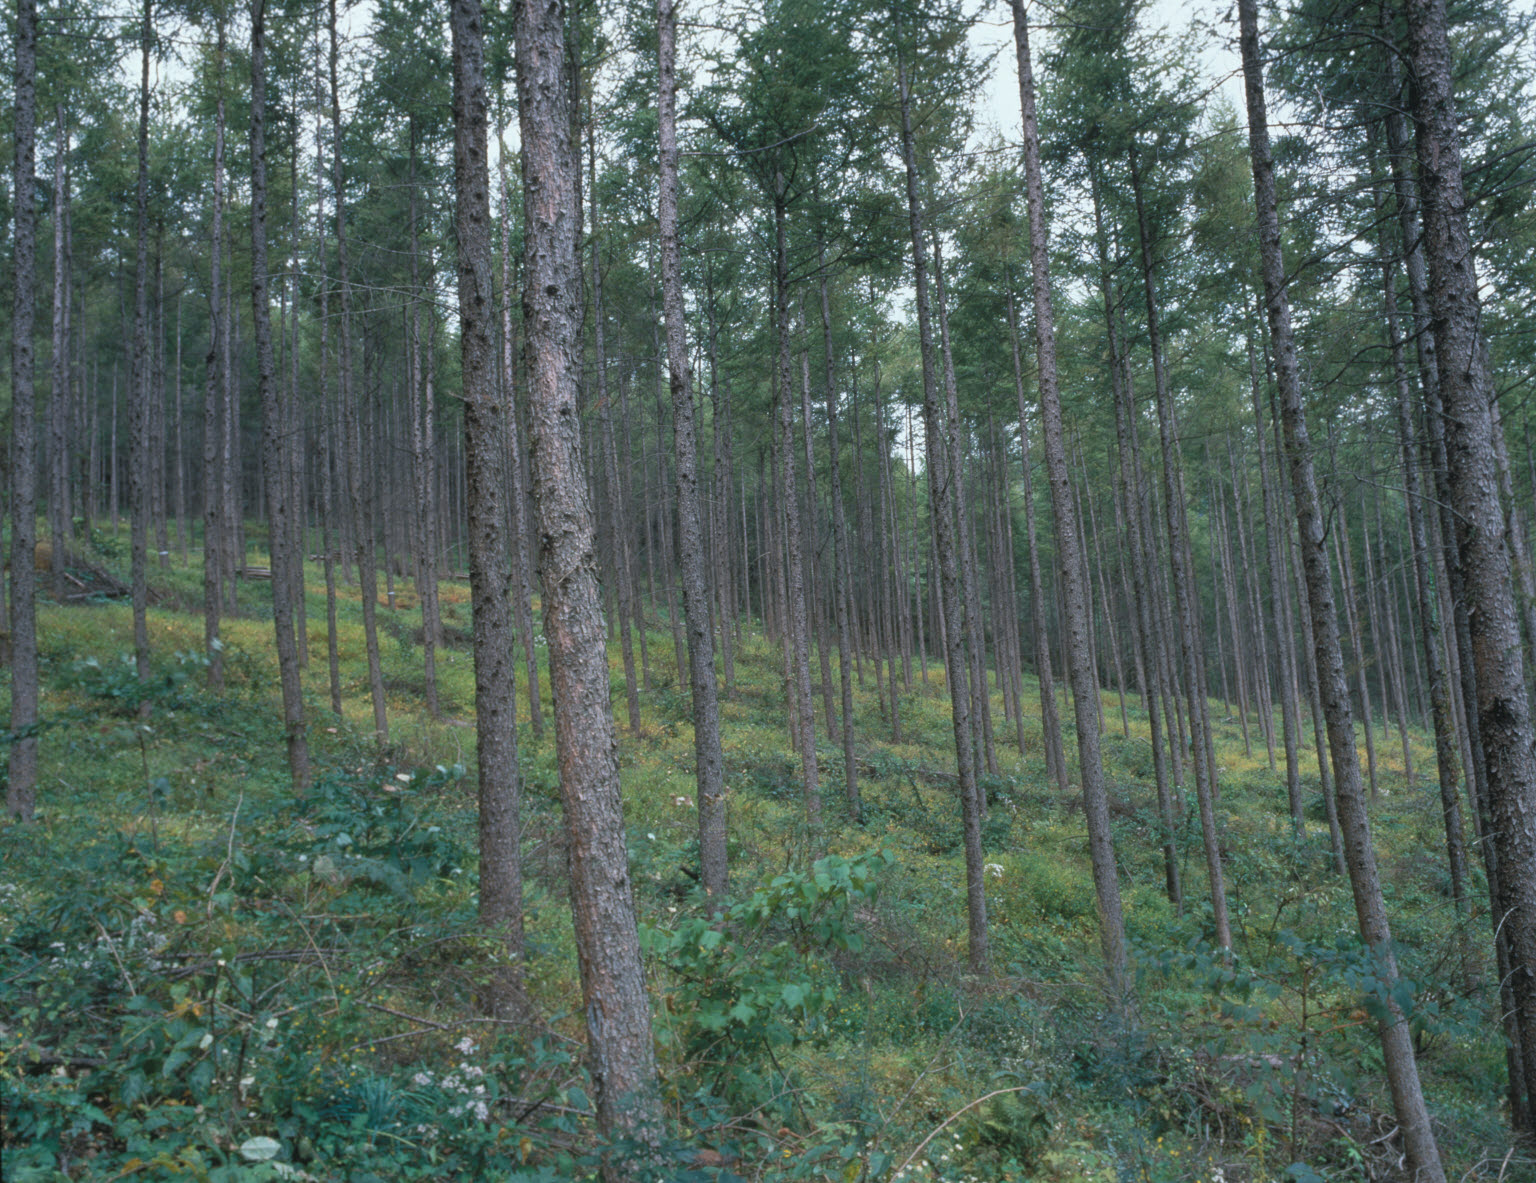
[(192, 962)]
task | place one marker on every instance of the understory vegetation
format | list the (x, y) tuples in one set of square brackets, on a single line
[(203, 977)]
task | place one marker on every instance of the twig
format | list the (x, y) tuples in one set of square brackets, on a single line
[(229, 854), (939, 1129), (112, 949)]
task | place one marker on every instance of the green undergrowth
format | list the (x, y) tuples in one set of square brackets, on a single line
[(203, 977)]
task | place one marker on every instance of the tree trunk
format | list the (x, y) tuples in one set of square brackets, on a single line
[(139, 382), (273, 421), (1396, 1040), (1187, 611), (21, 783), (940, 431), (709, 760), (362, 528), (1085, 690), (620, 1043), (1503, 708), (490, 572)]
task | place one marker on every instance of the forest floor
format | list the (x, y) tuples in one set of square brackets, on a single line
[(201, 976)]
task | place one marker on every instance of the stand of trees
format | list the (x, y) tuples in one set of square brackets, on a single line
[(674, 381)]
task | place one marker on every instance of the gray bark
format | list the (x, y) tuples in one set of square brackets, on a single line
[(1085, 689), (1396, 1041), (708, 758), (21, 785), (620, 1047), (273, 421)]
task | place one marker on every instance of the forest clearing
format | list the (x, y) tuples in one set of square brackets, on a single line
[(632, 594)]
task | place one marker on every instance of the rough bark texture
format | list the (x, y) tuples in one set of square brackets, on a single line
[(501, 883), (279, 487), (708, 758), (1503, 709), (620, 1048), (21, 785), (1085, 687), (1370, 909)]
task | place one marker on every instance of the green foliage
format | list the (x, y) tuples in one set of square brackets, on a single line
[(753, 979)]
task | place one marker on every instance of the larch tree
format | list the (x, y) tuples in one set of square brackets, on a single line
[(490, 572), (273, 421), (1370, 907), (21, 783), (1466, 393), (1080, 668), (620, 1049), (709, 761)]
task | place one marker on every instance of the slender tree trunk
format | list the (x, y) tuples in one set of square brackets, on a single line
[(1085, 691), (1396, 1041), (1050, 722), (842, 572), (490, 572), (213, 485), (620, 1044), (517, 466), (362, 527), (273, 420), (21, 782), (709, 760), (1185, 597), (139, 382), (940, 431), (1280, 602), (58, 395)]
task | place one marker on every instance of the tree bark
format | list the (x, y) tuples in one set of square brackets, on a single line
[(21, 785), (1085, 689), (940, 430), (273, 421), (620, 1044), (1370, 910), (1503, 708), (490, 572), (708, 758)]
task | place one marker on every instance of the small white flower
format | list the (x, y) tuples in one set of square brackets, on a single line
[(994, 869), (652, 837)]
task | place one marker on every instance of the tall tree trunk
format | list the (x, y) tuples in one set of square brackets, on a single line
[(490, 572), (362, 528), (1370, 909), (1280, 603), (58, 395), (139, 381), (1050, 722), (620, 1046), (273, 421), (1187, 608), (842, 572), (517, 465), (708, 758), (213, 435), (1430, 639), (940, 431), (21, 783), (796, 641), (1503, 707), (1085, 690)]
